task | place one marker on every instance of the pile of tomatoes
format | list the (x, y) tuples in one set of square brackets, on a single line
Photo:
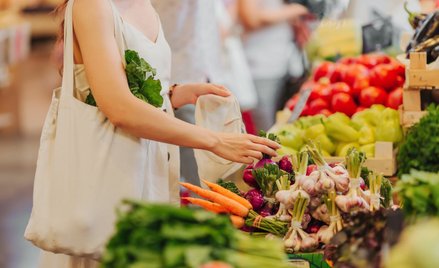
[(353, 84)]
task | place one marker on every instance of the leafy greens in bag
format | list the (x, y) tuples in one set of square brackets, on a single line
[(141, 80)]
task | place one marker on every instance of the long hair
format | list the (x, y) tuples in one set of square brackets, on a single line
[(58, 51)]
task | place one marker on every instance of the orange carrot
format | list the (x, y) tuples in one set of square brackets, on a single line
[(229, 204), (237, 221), (207, 205), (221, 190)]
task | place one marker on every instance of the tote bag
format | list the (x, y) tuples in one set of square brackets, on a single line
[(85, 168), (218, 114)]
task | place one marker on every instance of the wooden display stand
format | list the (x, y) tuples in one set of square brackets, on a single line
[(417, 78)]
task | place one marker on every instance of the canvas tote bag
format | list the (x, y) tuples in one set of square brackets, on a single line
[(85, 168), (218, 114)]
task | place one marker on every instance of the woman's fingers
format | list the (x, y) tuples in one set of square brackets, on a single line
[(255, 154), (264, 141), (264, 149), (219, 90), (246, 160)]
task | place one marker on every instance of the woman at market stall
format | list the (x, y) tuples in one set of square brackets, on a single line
[(270, 46), (93, 52)]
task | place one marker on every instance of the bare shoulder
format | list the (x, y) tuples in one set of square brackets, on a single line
[(94, 14)]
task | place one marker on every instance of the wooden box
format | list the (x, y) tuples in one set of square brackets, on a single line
[(418, 78)]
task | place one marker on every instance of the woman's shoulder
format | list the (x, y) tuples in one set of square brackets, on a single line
[(92, 13)]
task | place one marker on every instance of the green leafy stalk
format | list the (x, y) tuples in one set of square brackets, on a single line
[(229, 185), (273, 226), (316, 154), (354, 162)]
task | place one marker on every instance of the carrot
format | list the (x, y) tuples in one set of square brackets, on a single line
[(237, 221), (221, 190), (229, 204), (207, 205)]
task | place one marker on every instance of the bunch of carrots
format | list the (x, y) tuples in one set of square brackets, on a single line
[(220, 200)]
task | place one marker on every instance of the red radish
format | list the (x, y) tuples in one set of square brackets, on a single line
[(265, 161), (395, 98), (249, 178), (372, 95), (344, 103)]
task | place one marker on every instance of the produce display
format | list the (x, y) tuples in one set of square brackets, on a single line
[(420, 149), (153, 235), (302, 203), (337, 133), (426, 36), (353, 84)]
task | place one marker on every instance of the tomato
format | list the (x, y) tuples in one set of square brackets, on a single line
[(323, 70), (399, 68), (291, 103), (325, 112), (395, 98), (340, 87), (306, 111), (399, 81), (360, 108), (344, 103), (315, 106), (369, 61), (354, 72), (384, 76), (347, 60), (372, 95), (337, 74), (359, 84), (320, 91)]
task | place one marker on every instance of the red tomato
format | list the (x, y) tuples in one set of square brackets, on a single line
[(399, 68), (291, 103), (337, 74), (325, 112), (372, 95), (347, 60), (323, 70), (383, 76), (369, 60), (359, 84), (353, 72), (320, 91), (400, 81), (315, 106), (395, 98), (306, 111), (340, 87), (344, 103), (359, 109)]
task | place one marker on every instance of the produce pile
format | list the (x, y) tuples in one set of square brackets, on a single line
[(337, 133), (302, 203), (353, 84), (153, 235)]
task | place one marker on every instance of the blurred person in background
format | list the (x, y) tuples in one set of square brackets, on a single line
[(275, 32), (193, 33), (236, 71)]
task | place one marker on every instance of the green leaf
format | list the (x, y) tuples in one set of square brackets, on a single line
[(151, 91)]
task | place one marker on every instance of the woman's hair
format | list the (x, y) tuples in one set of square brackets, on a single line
[(59, 11)]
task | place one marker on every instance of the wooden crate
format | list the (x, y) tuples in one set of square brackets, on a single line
[(418, 78)]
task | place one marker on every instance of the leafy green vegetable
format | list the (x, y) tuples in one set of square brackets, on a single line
[(141, 80), (420, 150), (419, 193), (229, 185), (164, 236)]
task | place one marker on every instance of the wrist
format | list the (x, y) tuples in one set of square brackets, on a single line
[(210, 140), (172, 91)]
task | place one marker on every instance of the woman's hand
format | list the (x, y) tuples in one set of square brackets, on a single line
[(189, 93), (243, 148)]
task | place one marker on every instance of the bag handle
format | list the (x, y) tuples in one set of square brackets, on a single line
[(68, 62)]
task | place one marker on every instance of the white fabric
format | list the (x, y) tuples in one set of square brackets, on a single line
[(268, 49), (218, 114), (192, 31), (86, 166), (236, 73)]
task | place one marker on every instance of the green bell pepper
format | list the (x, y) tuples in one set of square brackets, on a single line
[(389, 128), (340, 130), (368, 149), (343, 147), (286, 151), (367, 134), (293, 139), (313, 131), (325, 143)]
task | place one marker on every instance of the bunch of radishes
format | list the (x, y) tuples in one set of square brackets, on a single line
[(311, 198)]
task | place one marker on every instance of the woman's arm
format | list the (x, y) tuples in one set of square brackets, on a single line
[(254, 17), (94, 30)]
